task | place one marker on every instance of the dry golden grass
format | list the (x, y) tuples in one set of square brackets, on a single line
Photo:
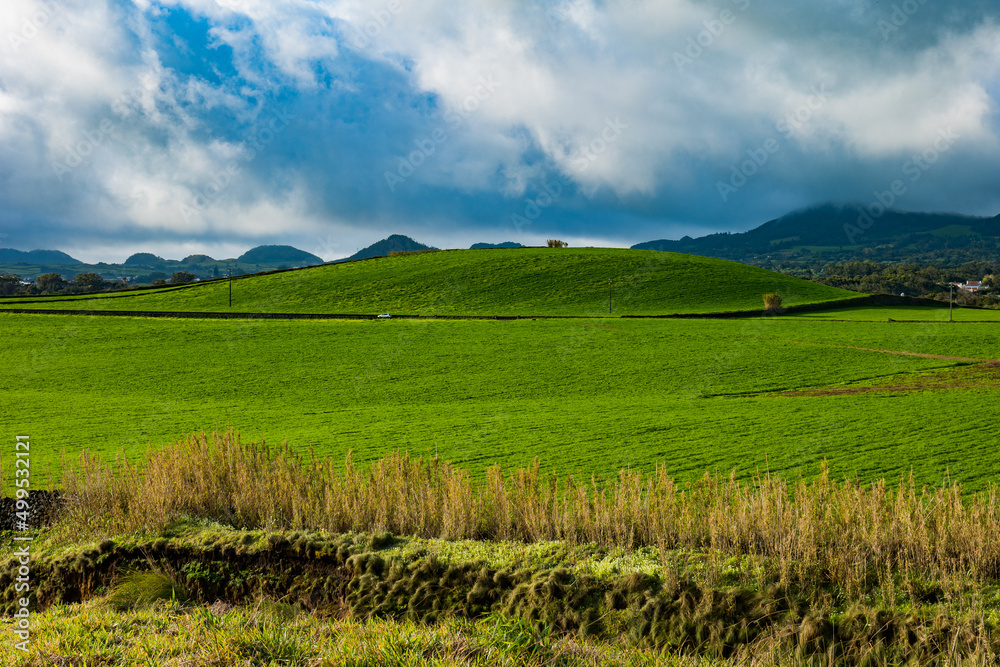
[(820, 533)]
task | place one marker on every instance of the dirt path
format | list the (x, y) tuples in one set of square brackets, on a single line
[(985, 373)]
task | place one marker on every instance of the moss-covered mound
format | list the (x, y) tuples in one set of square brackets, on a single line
[(366, 576)]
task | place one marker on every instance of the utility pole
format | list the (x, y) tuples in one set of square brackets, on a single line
[(609, 296), (951, 301), (230, 287)]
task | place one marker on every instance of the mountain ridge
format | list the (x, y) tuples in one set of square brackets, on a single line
[(830, 233), (12, 256), (144, 267)]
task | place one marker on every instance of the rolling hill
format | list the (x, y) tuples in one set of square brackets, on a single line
[(145, 259), (279, 254), (522, 281)]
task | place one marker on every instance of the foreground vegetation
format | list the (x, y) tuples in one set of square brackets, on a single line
[(219, 552), (266, 633), (815, 535)]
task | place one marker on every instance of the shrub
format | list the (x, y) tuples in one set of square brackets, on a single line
[(772, 302), (556, 243)]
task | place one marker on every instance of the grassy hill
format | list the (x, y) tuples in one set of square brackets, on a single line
[(523, 281)]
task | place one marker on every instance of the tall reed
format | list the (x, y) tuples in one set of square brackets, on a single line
[(846, 533)]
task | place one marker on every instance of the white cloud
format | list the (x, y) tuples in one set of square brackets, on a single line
[(895, 113)]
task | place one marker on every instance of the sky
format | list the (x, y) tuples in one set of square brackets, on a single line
[(213, 126)]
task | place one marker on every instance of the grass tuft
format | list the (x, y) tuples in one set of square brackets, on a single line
[(142, 589)]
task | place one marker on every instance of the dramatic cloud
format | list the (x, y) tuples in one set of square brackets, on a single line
[(214, 125)]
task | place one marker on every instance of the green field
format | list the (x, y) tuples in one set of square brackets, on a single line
[(591, 395), (594, 394), (524, 281)]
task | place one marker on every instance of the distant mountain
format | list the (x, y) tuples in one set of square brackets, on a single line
[(197, 259), (831, 233), (486, 246), (395, 243), (279, 254), (145, 259), (11, 256)]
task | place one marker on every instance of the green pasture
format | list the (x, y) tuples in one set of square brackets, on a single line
[(523, 281), (583, 395)]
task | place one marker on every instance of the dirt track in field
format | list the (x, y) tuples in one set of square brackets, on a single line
[(901, 352), (984, 373), (980, 376)]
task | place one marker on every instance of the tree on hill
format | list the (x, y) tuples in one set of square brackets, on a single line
[(556, 243), (89, 282), (50, 283), (182, 277)]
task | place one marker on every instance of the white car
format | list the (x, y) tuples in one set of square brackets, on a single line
[(384, 315)]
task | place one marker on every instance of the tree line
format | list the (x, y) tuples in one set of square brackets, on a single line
[(49, 284), (914, 279)]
